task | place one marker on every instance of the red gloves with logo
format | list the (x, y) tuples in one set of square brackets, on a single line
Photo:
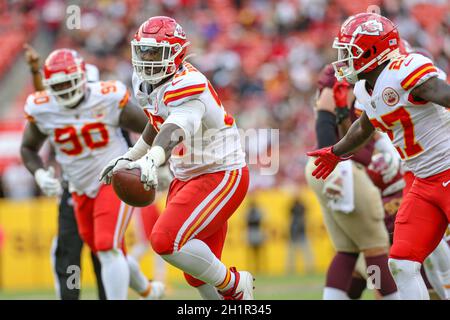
[(340, 94), (326, 161)]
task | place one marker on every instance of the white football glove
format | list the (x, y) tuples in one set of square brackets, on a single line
[(149, 174), (112, 166), (391, 170), (47, 182), (333, 187)]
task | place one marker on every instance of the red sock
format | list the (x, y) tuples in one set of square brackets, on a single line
[(387, 284), (340, 271), (357, 287)]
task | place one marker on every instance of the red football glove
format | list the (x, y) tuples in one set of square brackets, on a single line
[(326, 161), (340, 93)]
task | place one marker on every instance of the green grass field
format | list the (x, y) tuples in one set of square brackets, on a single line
[(294, 287)]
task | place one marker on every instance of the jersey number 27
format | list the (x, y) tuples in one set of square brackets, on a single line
[(401, 115)]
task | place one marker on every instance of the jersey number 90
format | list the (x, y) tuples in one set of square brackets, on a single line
[(70, 137)]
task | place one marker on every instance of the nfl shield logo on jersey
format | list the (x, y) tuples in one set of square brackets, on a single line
[(99, 113), (390, 96)]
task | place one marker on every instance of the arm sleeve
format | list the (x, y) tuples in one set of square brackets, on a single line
[(326, 129), (187, 116)]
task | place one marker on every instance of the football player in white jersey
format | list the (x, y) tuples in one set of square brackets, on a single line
[(83, 122), (203, 146), (403, 96)]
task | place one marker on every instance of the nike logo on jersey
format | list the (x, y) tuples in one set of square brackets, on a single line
[(407, 63), (175, 82), (445, 184)]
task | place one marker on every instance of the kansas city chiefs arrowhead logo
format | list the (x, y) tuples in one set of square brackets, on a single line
[(371, 28), (179, 32)]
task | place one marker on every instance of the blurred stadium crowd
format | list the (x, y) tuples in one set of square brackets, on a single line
[(262, 56)]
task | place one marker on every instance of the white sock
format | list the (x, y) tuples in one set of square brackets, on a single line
[(334, 294), (408, 279), (208, 292), (160, 268), (437, 268), (115, 274), (138, 281), (138, 250), (196, 259)]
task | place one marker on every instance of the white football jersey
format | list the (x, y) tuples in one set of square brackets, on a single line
[(216, 145), (419, 130), (85, 138)]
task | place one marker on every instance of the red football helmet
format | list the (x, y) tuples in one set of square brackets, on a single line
[(158, 49), (65, 76), (365, 41)]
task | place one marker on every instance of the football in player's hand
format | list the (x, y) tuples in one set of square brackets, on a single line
[(128, 187)]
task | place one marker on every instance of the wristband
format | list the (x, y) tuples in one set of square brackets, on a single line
[(138, 150), (341, 114), (39, 173), (158, 155)]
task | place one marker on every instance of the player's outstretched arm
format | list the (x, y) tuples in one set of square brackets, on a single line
[(33, 59), (356, 137), (32, 142), (435, 90), (183, 121), (167, 138), (328, 158), (140, 148)]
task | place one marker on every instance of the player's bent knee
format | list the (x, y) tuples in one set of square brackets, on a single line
[(193, 282), (403, 250), (162, 242)]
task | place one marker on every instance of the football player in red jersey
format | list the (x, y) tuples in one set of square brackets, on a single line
[(404, 97), (83, 120), (202, 143)]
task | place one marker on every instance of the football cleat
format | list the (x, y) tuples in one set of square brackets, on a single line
[(243, 286), (157, 290)]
